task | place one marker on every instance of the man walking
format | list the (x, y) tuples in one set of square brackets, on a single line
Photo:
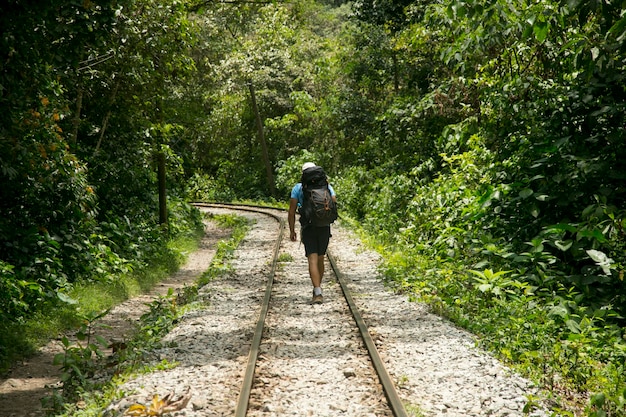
[(314, 237)]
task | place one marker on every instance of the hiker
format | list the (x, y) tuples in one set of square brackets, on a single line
[(315, 230)]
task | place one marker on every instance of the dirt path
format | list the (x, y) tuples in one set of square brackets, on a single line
[(32, 379)]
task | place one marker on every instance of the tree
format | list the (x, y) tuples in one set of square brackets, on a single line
[(64, 65)]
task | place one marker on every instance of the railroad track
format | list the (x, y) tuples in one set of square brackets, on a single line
[(258, 392), (253, 345), (312, 360)]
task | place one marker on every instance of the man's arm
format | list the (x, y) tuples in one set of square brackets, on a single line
[(291, 218), (332, 193)]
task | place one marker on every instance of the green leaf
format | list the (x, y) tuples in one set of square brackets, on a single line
[(490, 274), (527, 31), (559, 311), (619, 27), (526, 192), (541, 30), (597, 256), (563, 245), (484, 287), (562, 227), (102, 340), (458, 10), (573, 326), (598, 400), (588, 210), (604, 109), (58, 359), (595, 53), (534, 212), (595, 234), (601, 260), (66, 298)]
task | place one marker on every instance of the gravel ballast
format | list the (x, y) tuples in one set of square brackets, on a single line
[(312, 362)]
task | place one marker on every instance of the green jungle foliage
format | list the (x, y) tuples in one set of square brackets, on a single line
[(480, 141), (86, 96), (495, 177)]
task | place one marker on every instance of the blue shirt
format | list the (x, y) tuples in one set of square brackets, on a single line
[(296, 192)]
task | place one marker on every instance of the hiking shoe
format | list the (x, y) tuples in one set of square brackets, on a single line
[(317, 299)]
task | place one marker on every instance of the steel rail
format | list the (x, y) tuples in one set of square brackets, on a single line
[(246, 388), (248, 379), (395, 403)]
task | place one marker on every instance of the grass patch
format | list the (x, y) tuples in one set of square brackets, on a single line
[(225, 249), (285, 257)]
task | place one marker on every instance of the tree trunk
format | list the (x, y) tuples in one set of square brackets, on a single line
[(105, 121), (79, 108), (162, 191), (396, 76), (261, 136)]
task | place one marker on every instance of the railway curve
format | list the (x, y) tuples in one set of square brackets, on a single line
[(312, 362)]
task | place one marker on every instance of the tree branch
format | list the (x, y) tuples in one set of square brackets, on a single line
[(201, 4)]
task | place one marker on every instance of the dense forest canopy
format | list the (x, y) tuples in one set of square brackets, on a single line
[(481, 141)]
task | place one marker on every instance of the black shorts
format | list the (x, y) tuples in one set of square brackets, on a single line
[(315, 239)]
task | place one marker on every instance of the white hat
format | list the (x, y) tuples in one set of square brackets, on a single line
[(307, 165)]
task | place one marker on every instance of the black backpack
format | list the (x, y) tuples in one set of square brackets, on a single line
[(318, 208)]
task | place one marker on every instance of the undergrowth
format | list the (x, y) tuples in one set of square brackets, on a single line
[(544, 306), (578, 360), (22, 338)]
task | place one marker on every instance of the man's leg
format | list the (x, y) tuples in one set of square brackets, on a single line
[(320, 267), (315, 242), (315, 272)]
